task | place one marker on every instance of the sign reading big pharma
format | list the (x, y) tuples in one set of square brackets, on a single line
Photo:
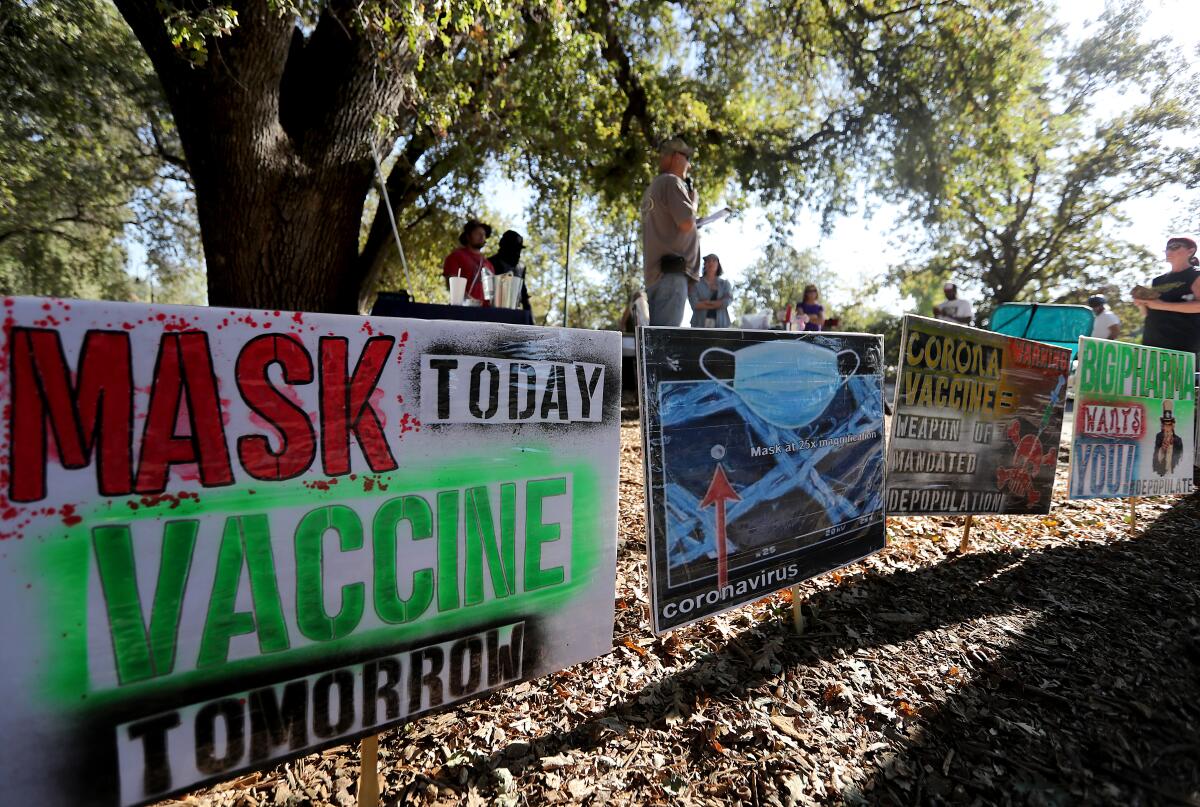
[(1134, 411), (231, 537), (977, 421)]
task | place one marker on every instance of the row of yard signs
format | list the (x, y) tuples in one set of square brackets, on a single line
[(765, 451), (231, 537)]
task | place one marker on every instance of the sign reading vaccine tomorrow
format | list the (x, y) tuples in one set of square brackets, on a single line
[(764, 462), (233, 537)]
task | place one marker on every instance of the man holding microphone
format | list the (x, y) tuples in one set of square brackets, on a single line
[(670, 243)]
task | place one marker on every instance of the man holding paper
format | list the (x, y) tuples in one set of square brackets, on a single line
[(670, 244)]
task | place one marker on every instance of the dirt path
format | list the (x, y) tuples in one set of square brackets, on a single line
[(1057, 662)]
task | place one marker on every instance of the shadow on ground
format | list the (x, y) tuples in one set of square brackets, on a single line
[(1095, 698)]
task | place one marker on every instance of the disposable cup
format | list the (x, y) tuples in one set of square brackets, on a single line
[(501, 293), (514, 292), (458, 287)]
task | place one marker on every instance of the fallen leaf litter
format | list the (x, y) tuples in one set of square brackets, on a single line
[(1054, 663)]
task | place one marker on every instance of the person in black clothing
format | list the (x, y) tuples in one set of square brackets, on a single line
[(1168, 446), (507, 260), (1172, 304)]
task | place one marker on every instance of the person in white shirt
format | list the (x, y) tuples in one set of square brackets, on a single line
[(1107, 325), (955, 309)]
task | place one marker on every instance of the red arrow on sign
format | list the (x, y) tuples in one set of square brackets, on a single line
[(719, 492)]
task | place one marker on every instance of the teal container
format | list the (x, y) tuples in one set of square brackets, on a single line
[(1059, 325)]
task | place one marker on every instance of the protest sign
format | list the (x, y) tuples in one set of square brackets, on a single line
[(764, 462), (1134, 413), (232, 537), (977, 422)]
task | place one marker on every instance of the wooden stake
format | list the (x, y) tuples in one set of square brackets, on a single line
[(1133, 500), (368, 777), (797, 613), (965, 544)]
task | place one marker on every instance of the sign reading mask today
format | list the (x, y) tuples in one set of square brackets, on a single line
[(977, 421), (764, 462), (1134, 412), (232, 537)]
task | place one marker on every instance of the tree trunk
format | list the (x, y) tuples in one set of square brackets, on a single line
[(277, 130), (289, 240)]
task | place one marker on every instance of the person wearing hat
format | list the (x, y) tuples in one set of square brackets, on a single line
[(1168, 446), (710, 296), (468, 261), (1107, 325), (507, 261), (670, 244), (955, 308), (1172, 303)]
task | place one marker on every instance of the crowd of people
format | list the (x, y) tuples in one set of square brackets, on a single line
[(675, 275)]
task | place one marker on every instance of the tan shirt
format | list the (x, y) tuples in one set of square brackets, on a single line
[(667, 203)]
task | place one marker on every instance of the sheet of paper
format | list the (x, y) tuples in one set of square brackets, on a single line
[(711, 217)]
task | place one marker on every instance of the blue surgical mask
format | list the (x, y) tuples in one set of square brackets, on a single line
[(786, 382)]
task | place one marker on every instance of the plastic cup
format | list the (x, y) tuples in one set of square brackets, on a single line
[(514, 294), (458, 287), (501, 293)]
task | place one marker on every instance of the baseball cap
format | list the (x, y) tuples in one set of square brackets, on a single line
[(675, 145)]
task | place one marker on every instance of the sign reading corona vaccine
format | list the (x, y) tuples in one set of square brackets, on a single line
[(977, 422), (764, 462), (1134, 413), (231, 537)]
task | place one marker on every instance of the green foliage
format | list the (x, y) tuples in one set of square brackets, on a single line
[(57, 267), (83, 153), (778, 278), (190, 31), (954, 108), (859, 318), (605, 267), (925, 287), (790, 103), (1030, 210)]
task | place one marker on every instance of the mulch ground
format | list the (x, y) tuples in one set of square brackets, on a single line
[(1055, 662)]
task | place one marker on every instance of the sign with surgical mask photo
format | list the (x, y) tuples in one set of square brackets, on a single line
[(234, 537), (1135, 410), (764, 462), (977, 422)]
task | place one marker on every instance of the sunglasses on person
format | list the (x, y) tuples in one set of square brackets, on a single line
[(1174, 245)]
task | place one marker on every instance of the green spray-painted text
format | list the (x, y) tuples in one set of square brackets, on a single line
[(485, 549)]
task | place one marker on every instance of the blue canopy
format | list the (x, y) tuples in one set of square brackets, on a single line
[(1060, 325)]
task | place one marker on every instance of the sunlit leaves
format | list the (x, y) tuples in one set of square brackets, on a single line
[(190, 31), (1031, 209), (80, 131)]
